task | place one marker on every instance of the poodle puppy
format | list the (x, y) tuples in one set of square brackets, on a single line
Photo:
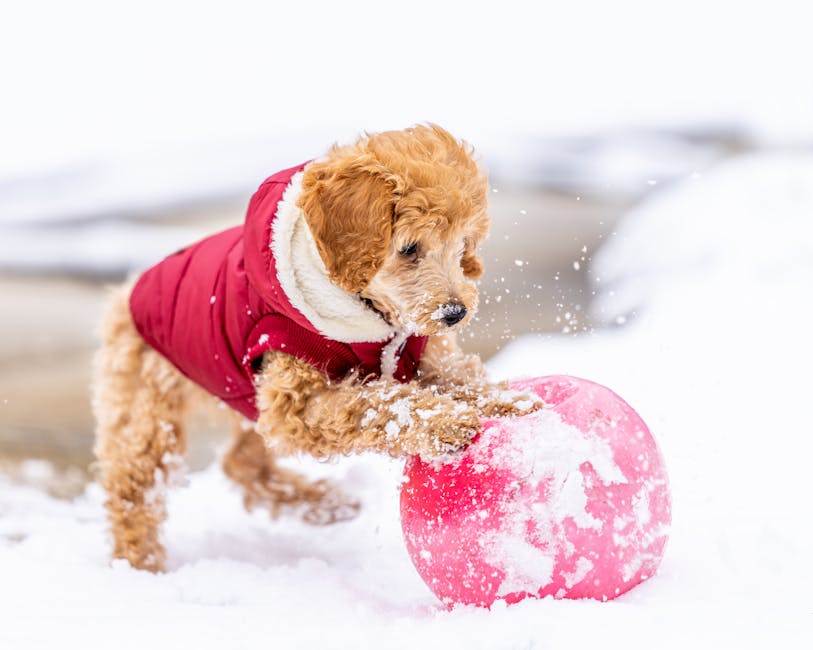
[(327, 324)]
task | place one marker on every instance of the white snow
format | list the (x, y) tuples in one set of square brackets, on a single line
[(583, 567), (402, 410), (714, 279), (392, 430), (530, 566)]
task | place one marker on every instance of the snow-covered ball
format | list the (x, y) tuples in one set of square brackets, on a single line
[(571, 501)]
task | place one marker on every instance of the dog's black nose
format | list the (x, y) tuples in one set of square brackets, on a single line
[(453, 313)]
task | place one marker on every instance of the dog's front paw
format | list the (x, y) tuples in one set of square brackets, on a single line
[(501, 401), (426, 424), (447, 430)]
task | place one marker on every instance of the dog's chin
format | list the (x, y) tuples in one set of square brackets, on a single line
[(426, 324), (422, 320)]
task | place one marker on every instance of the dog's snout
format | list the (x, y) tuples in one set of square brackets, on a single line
[(453, 313)]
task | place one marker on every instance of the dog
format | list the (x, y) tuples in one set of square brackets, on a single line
[(327, 323)]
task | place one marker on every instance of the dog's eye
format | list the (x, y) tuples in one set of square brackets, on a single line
[(409, 249)]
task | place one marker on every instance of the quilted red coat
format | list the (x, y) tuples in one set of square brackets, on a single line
[(214, 308)]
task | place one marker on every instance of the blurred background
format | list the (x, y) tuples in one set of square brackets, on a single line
[(131, 129)]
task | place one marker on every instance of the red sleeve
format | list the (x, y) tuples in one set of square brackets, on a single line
[(276, 332)]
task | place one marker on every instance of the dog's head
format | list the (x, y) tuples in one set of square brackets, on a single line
[(397, 218)]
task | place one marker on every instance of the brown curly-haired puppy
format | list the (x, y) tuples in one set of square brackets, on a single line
[(375, 248)]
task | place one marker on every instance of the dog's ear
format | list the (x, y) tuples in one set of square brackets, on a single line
[(471, 262), (349, 207)]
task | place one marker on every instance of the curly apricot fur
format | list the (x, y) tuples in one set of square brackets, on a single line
[(364, 203)]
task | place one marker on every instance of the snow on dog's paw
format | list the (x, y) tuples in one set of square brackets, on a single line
[(504, 402), (451, 431)]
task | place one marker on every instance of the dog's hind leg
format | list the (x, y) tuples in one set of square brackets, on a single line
[(251, 465), (138, 399)]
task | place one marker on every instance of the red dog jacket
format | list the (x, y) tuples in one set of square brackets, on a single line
[(214, 308)]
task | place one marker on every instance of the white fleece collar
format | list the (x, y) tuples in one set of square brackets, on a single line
[(335, 313)]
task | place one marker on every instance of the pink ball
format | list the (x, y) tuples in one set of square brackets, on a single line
[(571, 501)]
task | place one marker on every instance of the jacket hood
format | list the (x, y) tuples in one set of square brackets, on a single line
[(284, 267)]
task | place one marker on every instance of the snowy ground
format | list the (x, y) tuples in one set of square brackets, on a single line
[(706, 290)]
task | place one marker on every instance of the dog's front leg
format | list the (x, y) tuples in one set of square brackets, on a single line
[(300, 410), (463, 377)]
